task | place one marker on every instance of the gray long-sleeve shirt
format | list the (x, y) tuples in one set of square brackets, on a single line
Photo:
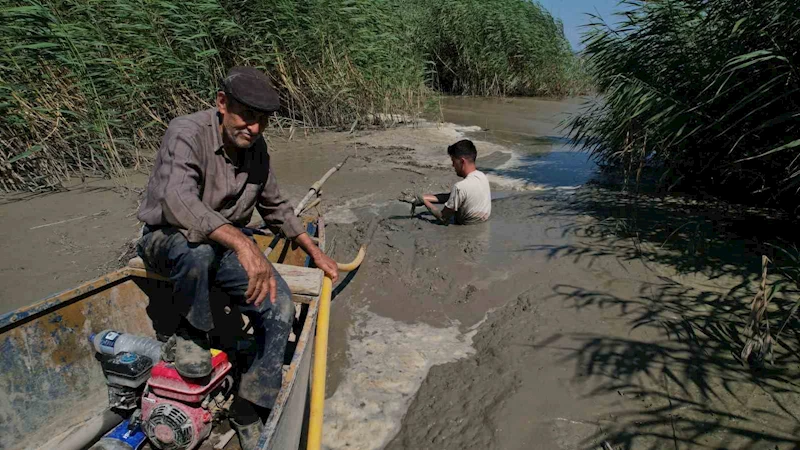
[(197, 188)]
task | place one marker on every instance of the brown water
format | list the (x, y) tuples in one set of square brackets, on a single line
[(510, 120), (557, 325), (533, 130)]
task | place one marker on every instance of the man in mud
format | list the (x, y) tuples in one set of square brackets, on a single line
[(470, 200), (211, 172)]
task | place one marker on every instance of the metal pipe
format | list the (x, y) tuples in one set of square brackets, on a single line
[(79, 437), (321, 355)]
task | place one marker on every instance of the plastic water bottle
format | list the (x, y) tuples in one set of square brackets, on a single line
[(111, 342)]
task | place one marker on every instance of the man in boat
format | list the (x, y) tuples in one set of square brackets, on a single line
[(469, 200), (212, 170)]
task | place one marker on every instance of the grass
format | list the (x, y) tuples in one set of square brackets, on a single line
[(87, 87), (705, 91)]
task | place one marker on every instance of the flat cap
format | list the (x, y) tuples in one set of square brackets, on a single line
[(252, 88)]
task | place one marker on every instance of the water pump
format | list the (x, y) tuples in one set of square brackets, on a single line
[(177, 412)]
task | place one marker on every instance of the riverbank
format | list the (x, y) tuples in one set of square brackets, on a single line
[(565, 321)]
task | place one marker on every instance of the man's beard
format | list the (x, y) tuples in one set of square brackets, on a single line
[(232, 137)]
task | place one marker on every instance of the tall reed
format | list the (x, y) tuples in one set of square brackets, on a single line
[(88, 86), (496, 47), (708, 91)]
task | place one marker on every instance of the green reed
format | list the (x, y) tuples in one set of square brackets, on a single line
[(87, 87)]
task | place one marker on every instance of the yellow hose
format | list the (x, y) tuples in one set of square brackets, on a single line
[(320, 363), (353, 265), (321, 355)]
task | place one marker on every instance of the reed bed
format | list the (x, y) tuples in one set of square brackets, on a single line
[(707, 92), (87, 87)]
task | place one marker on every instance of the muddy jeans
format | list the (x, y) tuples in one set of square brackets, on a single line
[(194, 269)]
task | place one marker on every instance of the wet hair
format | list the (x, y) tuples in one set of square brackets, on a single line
[(463, 149)]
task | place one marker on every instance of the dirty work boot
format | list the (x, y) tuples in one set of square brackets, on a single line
[(192, 357), (189, 352), (248, 434), (247, 419)]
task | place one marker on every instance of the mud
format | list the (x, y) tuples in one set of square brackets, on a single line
[(367, 407), (53, 242), (570, 320), (617, 345), (494, 378)]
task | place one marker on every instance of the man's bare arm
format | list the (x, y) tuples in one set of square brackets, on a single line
[(443, 216), (437, 198), (261, 280)]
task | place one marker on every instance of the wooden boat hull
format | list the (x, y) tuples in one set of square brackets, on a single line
[(51, 385)]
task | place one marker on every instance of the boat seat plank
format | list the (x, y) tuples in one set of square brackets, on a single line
[(303, 281), (304, 299)]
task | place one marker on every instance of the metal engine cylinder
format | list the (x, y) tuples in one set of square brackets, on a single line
[(176, 412)]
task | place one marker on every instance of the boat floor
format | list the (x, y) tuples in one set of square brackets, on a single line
[(221, 430)]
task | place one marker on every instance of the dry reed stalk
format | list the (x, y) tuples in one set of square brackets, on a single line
[(759, 343)]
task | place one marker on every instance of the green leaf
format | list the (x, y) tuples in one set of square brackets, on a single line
[(37, 46), (790, 145), (26, 153), (738, 24)]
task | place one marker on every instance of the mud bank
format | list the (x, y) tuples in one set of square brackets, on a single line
[(53, 242)]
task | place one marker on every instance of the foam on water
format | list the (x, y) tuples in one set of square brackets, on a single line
[(548, 164)]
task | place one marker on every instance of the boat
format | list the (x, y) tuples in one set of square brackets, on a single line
[(53, 393)]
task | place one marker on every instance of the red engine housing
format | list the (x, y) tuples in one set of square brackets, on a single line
[(175, 414)]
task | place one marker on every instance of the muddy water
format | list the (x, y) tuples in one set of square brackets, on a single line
[(510, 120), (553, 326), (533, 130), (416, 304), (426, 289)]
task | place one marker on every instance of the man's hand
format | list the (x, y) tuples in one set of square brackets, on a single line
[(321, 260), (328, 265), (261, 279), (442, 216)]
